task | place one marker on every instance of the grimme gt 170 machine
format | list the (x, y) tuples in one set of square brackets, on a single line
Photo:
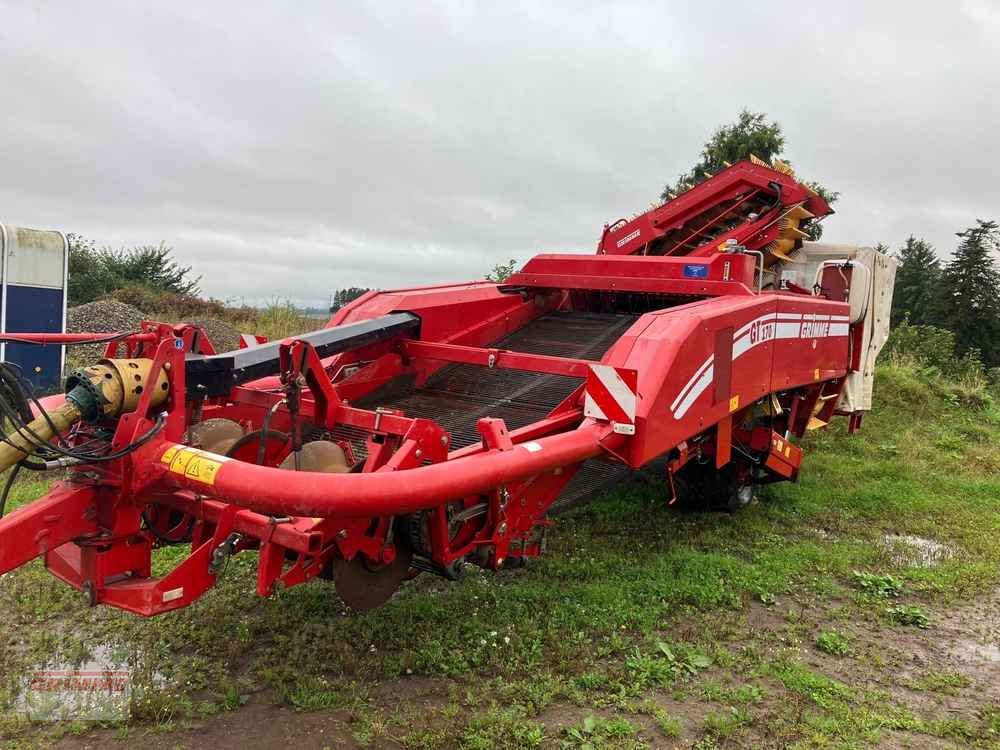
[(431, 428)]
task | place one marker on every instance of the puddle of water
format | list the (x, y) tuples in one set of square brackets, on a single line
[(907, 549), (978, 651)]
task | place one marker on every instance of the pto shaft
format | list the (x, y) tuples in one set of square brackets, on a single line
[(25, 441), (105, 390)]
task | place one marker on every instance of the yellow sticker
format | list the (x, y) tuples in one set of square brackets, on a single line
[(734, 403), (816, 374), (180, 462), (203, 469), (788, 451), (192, 463)]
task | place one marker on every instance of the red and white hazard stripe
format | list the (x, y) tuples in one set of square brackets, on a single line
[(250, 339), (610, 395)]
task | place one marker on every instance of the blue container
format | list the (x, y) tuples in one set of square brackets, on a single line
[(34, 273)]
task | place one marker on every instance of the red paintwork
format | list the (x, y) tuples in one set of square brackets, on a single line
[(729, 189), (711, 277), (709, 353)]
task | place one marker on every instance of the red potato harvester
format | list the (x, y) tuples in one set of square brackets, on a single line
[(431, 428)]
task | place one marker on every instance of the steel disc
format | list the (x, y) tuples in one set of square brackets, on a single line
[(363, 588), (216, 435), (321, 456)]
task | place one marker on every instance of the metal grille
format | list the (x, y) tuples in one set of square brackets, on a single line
[(594, 476), (458, 395)]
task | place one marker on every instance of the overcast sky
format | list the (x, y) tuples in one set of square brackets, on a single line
[(288, 150)]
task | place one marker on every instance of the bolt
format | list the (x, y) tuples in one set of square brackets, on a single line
[(418, 453), (500, 562), (502, 528), (444, 440)]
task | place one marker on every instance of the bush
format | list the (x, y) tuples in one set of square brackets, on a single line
[(154, 302), (930, 351), (921, 346), (95, 273)]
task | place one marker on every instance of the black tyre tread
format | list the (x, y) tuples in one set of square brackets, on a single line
[(702, 487)]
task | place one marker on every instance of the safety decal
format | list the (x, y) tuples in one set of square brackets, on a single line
[(193, 463)]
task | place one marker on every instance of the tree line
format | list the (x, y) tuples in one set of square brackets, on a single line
[(961, 296)]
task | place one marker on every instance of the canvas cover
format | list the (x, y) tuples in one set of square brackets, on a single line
[(857, 395)]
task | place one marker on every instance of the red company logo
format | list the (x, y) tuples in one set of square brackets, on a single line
[(89, 681)]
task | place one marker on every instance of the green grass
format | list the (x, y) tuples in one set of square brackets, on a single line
[(833, 643), (634, 604)]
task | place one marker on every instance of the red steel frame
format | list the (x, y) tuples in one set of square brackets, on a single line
[(710, 353)]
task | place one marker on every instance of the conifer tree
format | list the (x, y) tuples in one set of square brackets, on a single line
[(918, 281), (970, 293)]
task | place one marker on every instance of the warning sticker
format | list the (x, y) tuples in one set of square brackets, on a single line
[(193, 463)]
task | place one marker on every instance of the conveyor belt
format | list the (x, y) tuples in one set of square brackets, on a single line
[(458, 395)]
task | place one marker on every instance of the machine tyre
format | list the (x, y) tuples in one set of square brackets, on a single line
[(702, 487)]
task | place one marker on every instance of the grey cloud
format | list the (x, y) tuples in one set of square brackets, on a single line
[(294, 148)]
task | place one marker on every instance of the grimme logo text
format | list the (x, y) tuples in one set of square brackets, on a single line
[(814, 328)]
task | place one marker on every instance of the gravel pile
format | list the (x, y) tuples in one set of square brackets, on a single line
[(107, 315), (103, 316), (222, 335)]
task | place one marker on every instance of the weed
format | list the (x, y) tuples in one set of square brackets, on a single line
[(665, 665), (990, 716), (309, 693), (497, 729), (727, 725), (594, 732), (908, 614), (833, 643), (877, 585), (669, 725)]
